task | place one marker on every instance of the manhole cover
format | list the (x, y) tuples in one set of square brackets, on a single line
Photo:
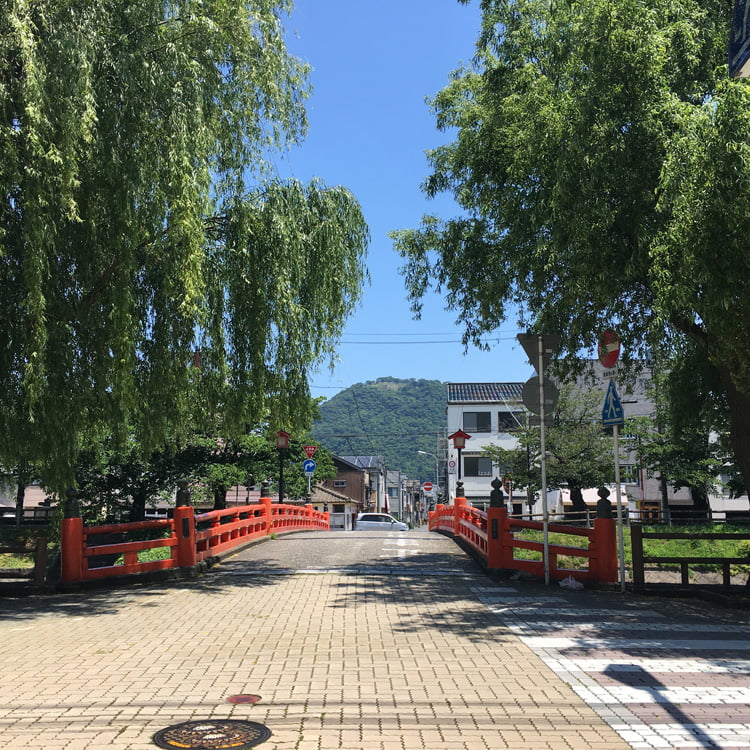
[(213, 735), (244, 698)]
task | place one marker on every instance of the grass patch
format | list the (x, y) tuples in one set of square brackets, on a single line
[(12, 560), (651, 547), (17, 536), (695, 547)]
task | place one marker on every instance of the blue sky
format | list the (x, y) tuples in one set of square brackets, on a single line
[(373, 65)]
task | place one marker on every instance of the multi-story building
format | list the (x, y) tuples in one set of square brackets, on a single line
[(489, 413)]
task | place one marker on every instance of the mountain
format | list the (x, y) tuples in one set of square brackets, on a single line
[(387, 417)]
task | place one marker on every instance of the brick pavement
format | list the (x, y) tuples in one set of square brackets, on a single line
[(340, 660), (385, 658)]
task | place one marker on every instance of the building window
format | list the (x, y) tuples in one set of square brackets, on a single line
[(339, 482), (477, 466), (339, 508), (477, 421), (507, 421)]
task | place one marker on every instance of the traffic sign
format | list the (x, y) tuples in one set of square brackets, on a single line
[(609, 348), (612, 411), (530, 342), (427, 486), (530, 395), (309, 466), (309, 450)]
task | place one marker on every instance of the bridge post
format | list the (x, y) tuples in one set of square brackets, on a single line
[(184, 527), (459, 503), (268, 513), (497, 528), (71, 540), (605, 543)]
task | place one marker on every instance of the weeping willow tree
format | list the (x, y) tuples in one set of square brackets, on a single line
[(140, 235)]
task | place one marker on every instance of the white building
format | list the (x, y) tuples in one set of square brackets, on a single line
[(487, 412)]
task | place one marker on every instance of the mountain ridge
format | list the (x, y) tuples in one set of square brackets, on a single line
[(389, 417)]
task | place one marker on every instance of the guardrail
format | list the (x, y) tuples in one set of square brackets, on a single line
[(637, 535), (95, 552), (491, 534)]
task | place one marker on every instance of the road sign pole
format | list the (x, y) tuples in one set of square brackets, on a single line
[(543, 450), (620, 534)]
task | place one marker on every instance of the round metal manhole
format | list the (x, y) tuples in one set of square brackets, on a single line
[(243, 698), (223, 734)]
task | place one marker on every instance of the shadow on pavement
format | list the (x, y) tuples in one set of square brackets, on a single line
[(633, 675)]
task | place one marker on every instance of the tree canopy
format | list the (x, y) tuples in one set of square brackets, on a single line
[(140, 234), (601, 160)]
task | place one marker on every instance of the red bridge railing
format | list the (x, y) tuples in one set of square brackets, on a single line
[(96, 552), (491, 534)]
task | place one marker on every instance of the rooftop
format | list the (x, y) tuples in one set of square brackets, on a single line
[(484, 392)]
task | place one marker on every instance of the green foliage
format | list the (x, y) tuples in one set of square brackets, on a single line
[(119, 485), (601, 162), (135, 228), (386, 417)]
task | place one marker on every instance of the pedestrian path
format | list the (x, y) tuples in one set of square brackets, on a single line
[(661, 674), (383, 656)]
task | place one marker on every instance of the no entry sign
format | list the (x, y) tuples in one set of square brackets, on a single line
[(609, 348), (427, 486)]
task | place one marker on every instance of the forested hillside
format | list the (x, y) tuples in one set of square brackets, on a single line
[(387, 417)]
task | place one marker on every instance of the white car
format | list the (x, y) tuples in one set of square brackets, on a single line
[(379, 522)]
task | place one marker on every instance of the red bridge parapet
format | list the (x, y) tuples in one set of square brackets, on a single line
[(96, 552)]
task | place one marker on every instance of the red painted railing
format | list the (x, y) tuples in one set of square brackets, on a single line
[(190, 538), (491, 534)]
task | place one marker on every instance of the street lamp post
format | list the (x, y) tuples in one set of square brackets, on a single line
[(459, 439), (282, 443)]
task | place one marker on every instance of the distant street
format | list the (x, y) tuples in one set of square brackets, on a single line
[(410, 552)]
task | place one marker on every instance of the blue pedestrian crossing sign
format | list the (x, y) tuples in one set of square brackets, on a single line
[(309, 466), (612, 412)]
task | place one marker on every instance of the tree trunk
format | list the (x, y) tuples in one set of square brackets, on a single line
[(138, 508), (701, 504), (579, 505), (666, 516), (20, 496), (739, 424), (220, 498)]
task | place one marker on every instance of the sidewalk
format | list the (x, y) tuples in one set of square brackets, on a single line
[(420, 652), (339, 661)]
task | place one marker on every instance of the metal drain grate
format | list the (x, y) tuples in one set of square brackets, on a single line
[(213, 735)]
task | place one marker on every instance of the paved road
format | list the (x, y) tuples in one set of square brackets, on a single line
[(378, 642)]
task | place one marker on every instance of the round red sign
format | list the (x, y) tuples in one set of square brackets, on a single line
[(609, 348), (427, 486)]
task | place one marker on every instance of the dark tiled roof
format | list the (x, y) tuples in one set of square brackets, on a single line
[(364, 462), (484, 392)]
